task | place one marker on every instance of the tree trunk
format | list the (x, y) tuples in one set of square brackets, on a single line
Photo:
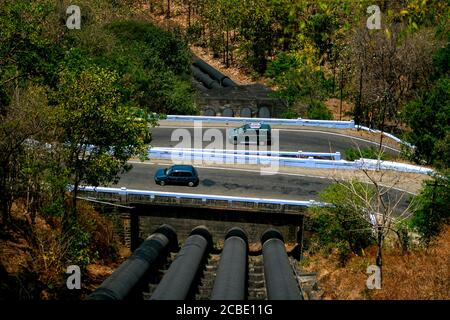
[(5, 211), (151, 6), (224, 45), (4, 195), (232, 44), (189, 13), (379, 261), (341, 85), (383, 119), (168, 10), (70, 214), (228, 50), (433, 204), (74, 201), (358, 106), (334, 72)]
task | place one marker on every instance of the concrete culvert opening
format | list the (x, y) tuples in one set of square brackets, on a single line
[(264, 112), (246, 112), (228, 112)]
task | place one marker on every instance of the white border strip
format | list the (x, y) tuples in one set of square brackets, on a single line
[(203, 197)]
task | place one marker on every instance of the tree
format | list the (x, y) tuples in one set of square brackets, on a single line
[(377, 201), (256, 32), (341, 222), (429, 120), (152, 65), (300, 83), (96, 132), (433, 207), (389, 64), (28, 45), (25, 119)]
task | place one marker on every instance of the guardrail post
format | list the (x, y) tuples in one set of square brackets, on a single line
[(123, 195)]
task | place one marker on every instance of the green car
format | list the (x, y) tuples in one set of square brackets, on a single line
[(253, 133), (177, 174)]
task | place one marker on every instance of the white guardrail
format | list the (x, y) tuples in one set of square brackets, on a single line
[(272, 121), (203, 197), (386, 135), (269, 153), (218, 157), (288, 122)]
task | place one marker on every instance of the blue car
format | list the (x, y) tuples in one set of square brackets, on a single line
[(178, 175)]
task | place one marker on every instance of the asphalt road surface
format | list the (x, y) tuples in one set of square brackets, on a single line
[(233, 182), (243, 182), (289, 140)]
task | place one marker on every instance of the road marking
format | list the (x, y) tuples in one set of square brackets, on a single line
[(346, 136), (234, 169), (298, 130), (259, 171)]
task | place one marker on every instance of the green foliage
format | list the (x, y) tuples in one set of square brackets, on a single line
[(310, 48), (27, 45), (258, 33), (281, 66), (318, 110), (55, 208), (77, 91), (441, 62), (152, 65), (23, 160), (193, 34), (429, 120), (320, 28), (432, 210), (79, 246), (341, 226), (289, 113), (89, 239), (169, 50), (352, 154), (299, 83), (97, 131)]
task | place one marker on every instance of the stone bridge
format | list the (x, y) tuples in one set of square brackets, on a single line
[(220, 96)]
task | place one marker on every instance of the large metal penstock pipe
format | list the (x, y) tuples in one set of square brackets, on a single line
[(231, 278), (178, 280), (204, 78), (131, 271), (280, 281), (213, 73), (227, 82)]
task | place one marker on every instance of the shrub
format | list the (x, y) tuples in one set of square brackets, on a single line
[(341, 226), (352, 154), (103, 244), (194, 33), (152, 64), (289, 113), (432, 208), (319, 110)]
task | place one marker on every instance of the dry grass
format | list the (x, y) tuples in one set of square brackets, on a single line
[(36, 256), (417, 275), (178, 19), (333, 105)]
